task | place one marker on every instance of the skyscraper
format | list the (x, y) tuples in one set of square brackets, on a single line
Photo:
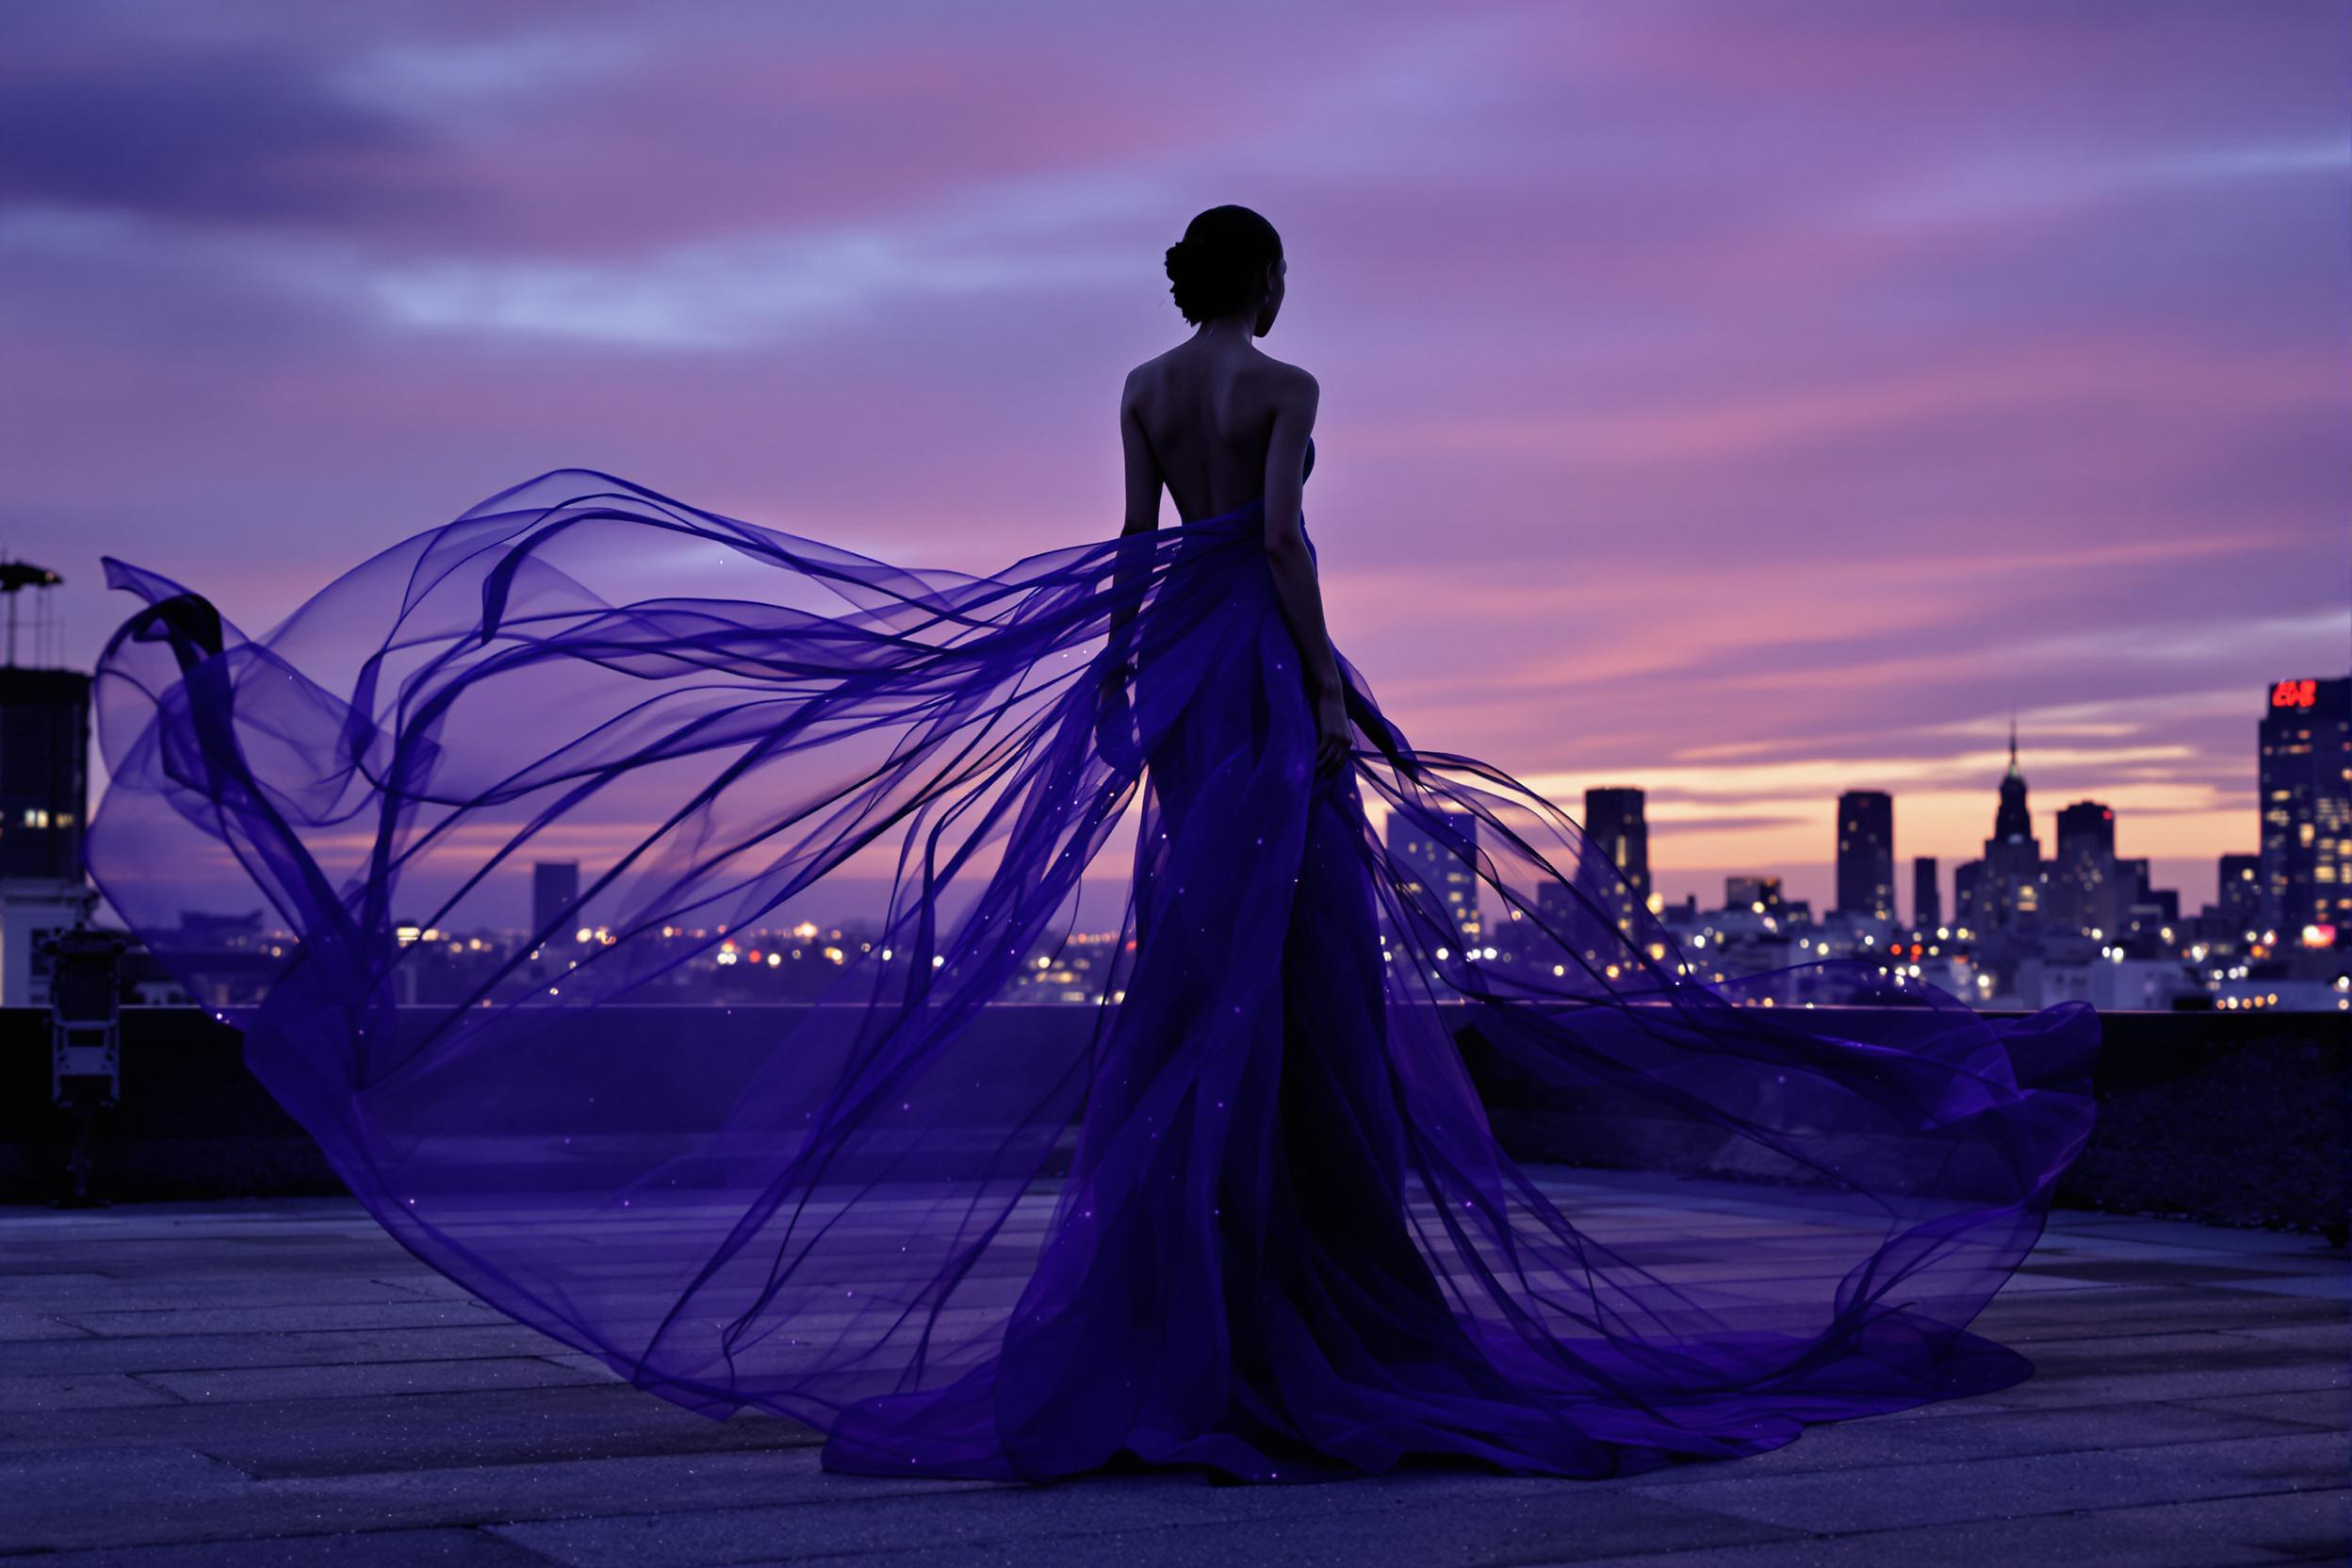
[(1866, 854), (2305, 780), (44, 772), (1927, 902), (1968, 896), (554, 889), (2144, 906), (2010, 892), (2086, 891), (1443, 869), (2240, 899), (1613, 819)]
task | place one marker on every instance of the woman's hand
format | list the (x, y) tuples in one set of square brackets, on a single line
[(1334, 740), (1114, 720)]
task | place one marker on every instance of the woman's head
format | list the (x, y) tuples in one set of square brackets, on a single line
[(1230, 261)]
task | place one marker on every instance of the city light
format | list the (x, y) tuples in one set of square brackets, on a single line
[(2295, 693), (2032, 928)]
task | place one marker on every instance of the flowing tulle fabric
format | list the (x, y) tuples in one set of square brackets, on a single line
[(1245, 1212)]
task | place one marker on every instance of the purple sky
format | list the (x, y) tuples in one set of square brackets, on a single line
[(1746, 400)]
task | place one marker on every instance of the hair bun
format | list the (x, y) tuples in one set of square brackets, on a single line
[(1221, 262)]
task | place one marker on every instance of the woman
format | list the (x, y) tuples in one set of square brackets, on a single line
[(1247, 1212)]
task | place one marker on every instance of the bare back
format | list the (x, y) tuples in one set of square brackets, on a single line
[(1207, 416)]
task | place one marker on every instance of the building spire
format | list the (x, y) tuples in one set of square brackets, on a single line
[(2012, 743)]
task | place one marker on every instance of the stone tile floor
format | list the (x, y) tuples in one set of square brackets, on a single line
[(277, 1383)]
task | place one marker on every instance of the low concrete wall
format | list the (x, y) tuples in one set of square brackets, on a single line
[(2235, 1119), (2223, 1118)]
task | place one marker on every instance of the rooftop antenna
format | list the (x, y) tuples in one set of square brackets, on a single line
[(15, 576)]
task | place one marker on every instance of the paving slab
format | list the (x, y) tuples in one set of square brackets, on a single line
[(406, 1313), (279, 1382), (79, 1352), (2266, 1529), (440, 1548), (78, 1391), (2330, 1409), (1900, 1495), (1426, 1518)]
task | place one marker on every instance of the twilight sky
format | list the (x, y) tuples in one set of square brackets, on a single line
[(1746, 400)]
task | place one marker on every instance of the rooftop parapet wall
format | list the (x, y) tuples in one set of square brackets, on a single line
[(2236, 1119)]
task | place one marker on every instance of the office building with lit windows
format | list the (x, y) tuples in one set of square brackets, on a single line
[(1927, 899), (45, 801), (2239, 900), (1866, 854), (2009, 888), (2304, 778), (1613, 819), (1441, 869), (2089, 891)]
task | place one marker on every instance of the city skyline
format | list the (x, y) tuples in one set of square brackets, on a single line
[(2084, 922), (1615, 816), (851, 896), (1742, 408)]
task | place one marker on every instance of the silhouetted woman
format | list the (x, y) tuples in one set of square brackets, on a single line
[(1248, 1210)]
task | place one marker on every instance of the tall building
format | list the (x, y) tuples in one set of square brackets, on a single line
[(2089, 891), (1441, 868), (2240, 900), (1866, 854), (44, 797), (1968, 910), (1927, 901), (2011, 889), (1613, 820), (2144, 906), (554, 889), (2305, 780), (45, 771)]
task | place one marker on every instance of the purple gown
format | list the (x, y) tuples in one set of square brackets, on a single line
[(1246, 1211)]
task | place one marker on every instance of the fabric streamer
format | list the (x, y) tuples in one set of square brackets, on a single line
[(1245, 1212)]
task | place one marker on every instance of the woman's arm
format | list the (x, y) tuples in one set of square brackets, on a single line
[(1293, 566), (1143, 516)]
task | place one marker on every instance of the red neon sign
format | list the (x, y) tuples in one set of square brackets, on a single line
[(2295, 693)]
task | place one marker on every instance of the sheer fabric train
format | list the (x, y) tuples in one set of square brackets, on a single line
[(1247, 1212)]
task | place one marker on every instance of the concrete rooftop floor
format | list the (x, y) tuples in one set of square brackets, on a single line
[(277, 1383)]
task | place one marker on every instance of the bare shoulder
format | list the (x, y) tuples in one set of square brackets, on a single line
[(1145, 376), (1283, 378), (1290, 386)]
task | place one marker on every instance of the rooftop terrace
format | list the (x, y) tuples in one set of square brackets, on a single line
[(275, 1382)]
